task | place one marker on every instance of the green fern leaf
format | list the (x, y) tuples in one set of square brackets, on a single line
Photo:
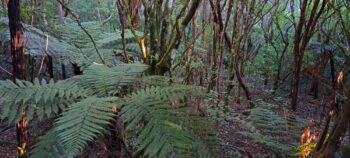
[(46, 98), (160, 128), (82, 122)]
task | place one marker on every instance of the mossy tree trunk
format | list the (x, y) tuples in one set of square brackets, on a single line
[(161, 33)]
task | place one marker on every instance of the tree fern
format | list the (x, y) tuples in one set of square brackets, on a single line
[(105, 81), (277, 133), (75, 35), (48, 145), (132, 47), (113, 38), (156, 81), (83, 122), (72, 45), (156, 116), (39, 98), (161, 128), (80, 123)]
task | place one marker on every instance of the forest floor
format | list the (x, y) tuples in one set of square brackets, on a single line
[(236, 144), (233, 143)]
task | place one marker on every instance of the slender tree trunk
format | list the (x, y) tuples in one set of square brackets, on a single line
[(266, 69), (203, 40), (220, 46), (194, 37), (302, 35), (243, 85), (60, 14), (19, 68), (279, 68), (213, 57), (296, 77), (44, 16), (61, 22), (328, 149), (32, 16), (98, 14), (238, 95), (187, 55), (297, 56), (49, 66), (337, 133)]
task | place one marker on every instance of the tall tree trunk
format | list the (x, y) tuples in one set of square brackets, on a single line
[(338, 132), (60, 14), (44, 16), (296, 77), (266, 69), (203, 40), (302, 35), (213, 59), (124, 25), (243, 85), (19, 68), (32, 16), (61, 22), (328, 149)]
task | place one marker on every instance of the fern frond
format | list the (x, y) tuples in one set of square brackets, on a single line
[(113, 38), (82, 122), (102, 80), (40, 98), (48, 145), (273, 131), (37, 41), (155, 81), (132, 47), (72, 33), (162, 129)]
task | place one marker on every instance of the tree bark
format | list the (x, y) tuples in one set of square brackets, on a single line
[(61, 22), (328, 149), (19, 68), (301, 39), (32, 16), (338, 133), (60, 14), (49, 65), (243, 85), (213, 59), (4, 3)]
